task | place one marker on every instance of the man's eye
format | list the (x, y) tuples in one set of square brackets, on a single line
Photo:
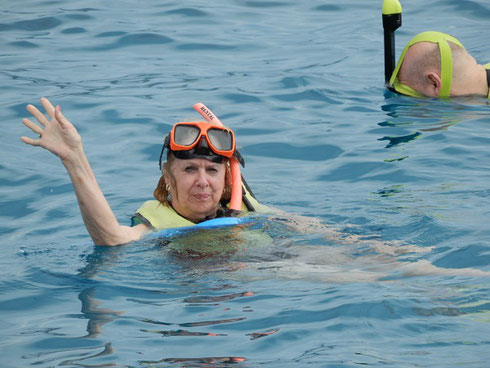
[(190, 169)]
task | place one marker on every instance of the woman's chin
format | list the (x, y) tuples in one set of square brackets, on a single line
[(200, 213)]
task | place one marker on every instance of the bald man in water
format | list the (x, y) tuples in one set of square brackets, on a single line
[(421, 73)]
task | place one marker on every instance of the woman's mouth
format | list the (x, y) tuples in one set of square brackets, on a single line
[(202, 196)]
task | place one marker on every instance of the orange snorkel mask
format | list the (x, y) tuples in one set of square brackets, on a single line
[(189, 136), (204, 140), (211, 141)]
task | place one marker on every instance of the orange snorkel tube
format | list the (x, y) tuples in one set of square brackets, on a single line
[(236, 177)]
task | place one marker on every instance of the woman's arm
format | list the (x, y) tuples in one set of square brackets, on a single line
[(61, 138)]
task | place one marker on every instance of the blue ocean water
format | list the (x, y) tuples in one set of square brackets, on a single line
[(403, 181)]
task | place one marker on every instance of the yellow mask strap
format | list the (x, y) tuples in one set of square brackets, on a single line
[(446, 62), (487, 67), (406, 90), (446, 68)]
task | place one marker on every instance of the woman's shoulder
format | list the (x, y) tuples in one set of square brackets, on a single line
[(152, 205), (161, 216)]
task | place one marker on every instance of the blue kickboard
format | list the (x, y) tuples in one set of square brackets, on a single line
[(209, 224)]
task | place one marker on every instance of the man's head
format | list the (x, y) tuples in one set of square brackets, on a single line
[(435, 64)]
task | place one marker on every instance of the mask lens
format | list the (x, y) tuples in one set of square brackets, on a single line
[(221, 140), (186, 135)]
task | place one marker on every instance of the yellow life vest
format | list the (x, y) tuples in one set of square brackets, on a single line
[(157, 216)]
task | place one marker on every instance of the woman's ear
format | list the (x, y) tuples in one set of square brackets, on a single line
[(434, 84), (167, 182)]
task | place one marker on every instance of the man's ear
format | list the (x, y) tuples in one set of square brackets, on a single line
[(434, 84)]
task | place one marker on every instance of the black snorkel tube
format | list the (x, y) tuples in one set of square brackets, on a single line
[(392, 20)]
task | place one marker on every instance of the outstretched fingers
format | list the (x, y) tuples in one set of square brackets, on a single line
[(32, 142), (38, 115), (60, 117), (32, 126), (48, 106), (41, 118), (36, 129)]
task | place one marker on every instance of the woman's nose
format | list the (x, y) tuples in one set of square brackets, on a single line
[(202, 179)]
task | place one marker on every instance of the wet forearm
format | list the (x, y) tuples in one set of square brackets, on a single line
[(97, 215)]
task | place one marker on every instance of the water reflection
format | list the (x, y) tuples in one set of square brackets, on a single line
[(204, 362), (195, 256), (212, 299), (395, 141), (99, 261)]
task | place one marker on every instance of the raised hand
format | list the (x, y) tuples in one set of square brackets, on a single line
[(60, 137), (56, 134)]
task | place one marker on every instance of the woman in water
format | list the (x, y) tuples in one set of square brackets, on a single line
[(195, 185)]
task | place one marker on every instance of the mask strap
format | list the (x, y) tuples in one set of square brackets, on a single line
[(446, 68), (394, 76), (166, 142), (488, 81), (406, 90)]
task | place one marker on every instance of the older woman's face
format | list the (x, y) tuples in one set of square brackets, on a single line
[(198, 187)]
